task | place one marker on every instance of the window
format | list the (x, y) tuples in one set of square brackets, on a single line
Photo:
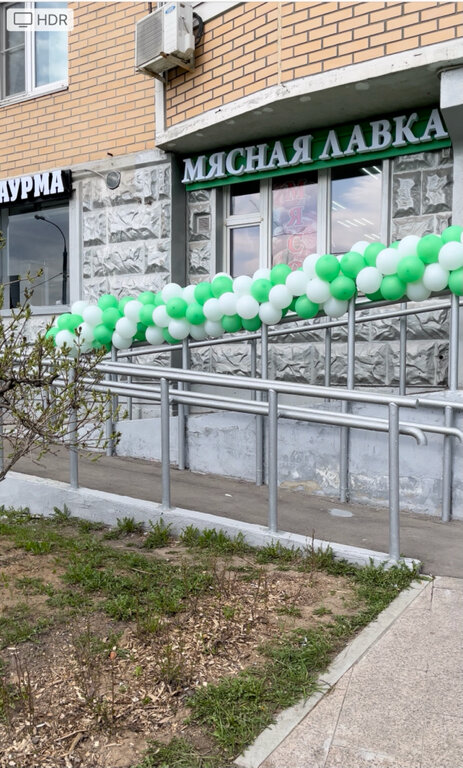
[(39, 247), (31, 63), (281, 220)]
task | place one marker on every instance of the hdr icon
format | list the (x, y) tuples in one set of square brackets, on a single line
[(39, 19)]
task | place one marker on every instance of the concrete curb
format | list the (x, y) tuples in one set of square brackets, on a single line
[(41, 494), (287, 720)]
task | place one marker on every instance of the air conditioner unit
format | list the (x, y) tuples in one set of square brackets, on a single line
[(165, 39)]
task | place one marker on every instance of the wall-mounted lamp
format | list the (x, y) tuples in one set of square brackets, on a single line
[(112, 178)]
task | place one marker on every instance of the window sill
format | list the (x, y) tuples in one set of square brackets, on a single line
[(44, 91), (53, 309)]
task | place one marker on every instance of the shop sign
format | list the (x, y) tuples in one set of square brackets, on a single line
[(37, 186), (385, 137)]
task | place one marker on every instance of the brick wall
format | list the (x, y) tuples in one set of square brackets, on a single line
[(257, 45), (108, 107)]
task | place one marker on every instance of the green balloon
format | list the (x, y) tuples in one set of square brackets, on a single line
[(63, 322), (260, 289), (147, 297), (456, 281), (195, 314), (176, 307), (124, 301), (103, 334), (167, 337), (410, 269), (140, 334), (253, 324), (392, 288), (377, 296), (107, 300), (453, 233), (351, 264), (395, 244), (327, 267), (158, 300), (221, 284), (110, 317), (51, 333), (371, 252), (292, 306), (428, 248), (306, 308), (279, 273), (343, 287), (203, 292), (231, 323), (146, 314)]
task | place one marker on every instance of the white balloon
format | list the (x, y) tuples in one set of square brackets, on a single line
[(132, 310), (92, 315), (227, 303), (360, 246), (247, 307), (198, 332), (417, 291), (242, 285), (212, 311), (388, 259), (318, 290), (126, 328), (297, 281), (213, 329), (78, 307), (121, 342), (451, 255), (171, 291), (269, 314), (189, 293), (261, 274), (65, 338), (369, 280), (179, 328), (86, 333), (308, 265), (154, 335), (280, 296), (435, 277), (407, 246), (160, 316), (335, 307)]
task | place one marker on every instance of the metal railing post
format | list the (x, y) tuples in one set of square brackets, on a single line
[(73, 452), (165, 444), (447, 468), (259, 420), (394, 483), (1, 442), (129, 402), (403, 352), (181, 412), (345, 407), (261, 396), (112, 408), (328, 357), (454, 341), (272, 461)]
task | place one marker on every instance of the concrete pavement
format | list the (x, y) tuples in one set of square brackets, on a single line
[(398, 706)]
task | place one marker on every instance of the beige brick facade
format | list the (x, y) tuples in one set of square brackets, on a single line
[(107, 107), (264, 44)]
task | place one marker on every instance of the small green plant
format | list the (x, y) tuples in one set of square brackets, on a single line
[(322, 611), (289, 610), (159, 535), (215, 541), (125, 527), (61, 516), (277, 553)]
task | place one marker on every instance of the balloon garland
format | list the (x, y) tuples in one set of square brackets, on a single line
[(413, 267)]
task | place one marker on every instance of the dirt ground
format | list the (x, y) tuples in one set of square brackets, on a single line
[(88, 691)]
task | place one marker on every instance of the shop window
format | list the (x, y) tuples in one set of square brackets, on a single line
[(37, 247), (31, 63), (280, 220), (355, 206)]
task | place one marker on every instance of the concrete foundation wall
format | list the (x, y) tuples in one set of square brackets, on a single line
[(308, 455)]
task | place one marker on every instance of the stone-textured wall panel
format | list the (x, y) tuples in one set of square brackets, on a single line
[(370, 368), (130, 285), (94, 228), (425, 363), (201, 359), (412, 225), (199, 234), (232, 358), (88, 259), (406, 193), (297, 362), (199, 260), (157, 257), (432, 325), (437, 190), (415, 162), (93, 288), (134, 223), (119, 259), (160, 183)]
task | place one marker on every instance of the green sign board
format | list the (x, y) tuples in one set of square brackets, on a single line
[(418, 131)]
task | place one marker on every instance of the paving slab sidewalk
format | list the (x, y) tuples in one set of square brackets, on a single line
[(400, 705)]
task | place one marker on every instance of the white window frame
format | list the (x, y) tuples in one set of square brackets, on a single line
[(30, 91), (264, 217)]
